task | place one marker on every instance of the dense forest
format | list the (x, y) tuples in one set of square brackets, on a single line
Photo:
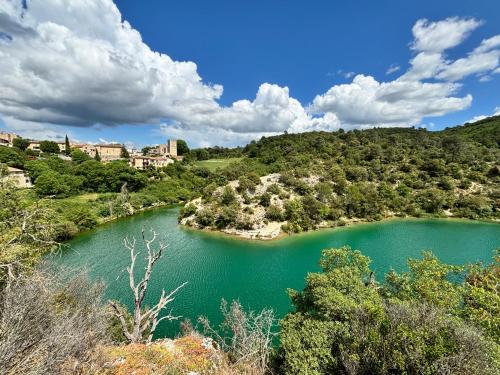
[(432, 319), (326, 179)]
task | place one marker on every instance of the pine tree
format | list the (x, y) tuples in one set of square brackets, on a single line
[(124, 153), (67, 146), (97, 157)]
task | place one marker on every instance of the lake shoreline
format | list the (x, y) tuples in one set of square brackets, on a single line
[(258, 273), (347, 224)]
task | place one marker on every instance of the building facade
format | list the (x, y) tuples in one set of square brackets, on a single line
[(168, 149), (107, 152), (18, 177), (145, 162), (7, 139)]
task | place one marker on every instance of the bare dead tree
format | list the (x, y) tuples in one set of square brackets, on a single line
[(145, 321), (246, 336)]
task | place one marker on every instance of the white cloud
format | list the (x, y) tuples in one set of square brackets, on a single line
[(433, 38), (496, 112), (392, 69), (80, 64), (473, 64), (488, 44), (441, 35), (206, 138), (76, 62), (366, 101), (35, 130), (424, 65)]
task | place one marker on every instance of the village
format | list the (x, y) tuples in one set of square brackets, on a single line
[(153, 157)]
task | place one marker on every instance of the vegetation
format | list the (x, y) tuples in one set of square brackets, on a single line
[(415, 322), (49, 147), (433, 318), (49, 325), (326, 179), (213, 164)]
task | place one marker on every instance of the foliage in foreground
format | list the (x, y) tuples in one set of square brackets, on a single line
[(418, 322), (49, 326)]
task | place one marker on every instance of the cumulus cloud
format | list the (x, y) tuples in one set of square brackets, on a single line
[(441, 35), (432, 39), (429, 87), (78, 63), (475, 63), (366, 101)]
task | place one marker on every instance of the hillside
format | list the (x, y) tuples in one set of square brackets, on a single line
[(299, 182), (486, 131)]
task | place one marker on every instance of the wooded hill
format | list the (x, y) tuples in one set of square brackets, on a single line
[(368, 174)]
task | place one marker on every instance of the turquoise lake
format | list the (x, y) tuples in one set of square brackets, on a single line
[(258, 273)]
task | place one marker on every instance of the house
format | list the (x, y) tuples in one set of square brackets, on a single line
[(107, 152), (145, 162), (34, 145), (18, 177), (6, 139)]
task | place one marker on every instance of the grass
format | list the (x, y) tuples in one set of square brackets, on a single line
[(213, 164), (82, 198)]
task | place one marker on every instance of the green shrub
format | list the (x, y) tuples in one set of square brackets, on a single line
[(274, 213)]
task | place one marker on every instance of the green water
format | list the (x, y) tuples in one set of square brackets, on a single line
[(258, 273)]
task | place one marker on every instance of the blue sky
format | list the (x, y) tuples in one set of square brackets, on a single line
[(308, 47)]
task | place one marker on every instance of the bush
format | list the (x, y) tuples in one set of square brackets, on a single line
[(265, 200), (50, 325), (228, 196), (51, 183), (273, 189), (205, 217), (343, 324), (82, 216), (274, 213), (187, 210), (226, 217)]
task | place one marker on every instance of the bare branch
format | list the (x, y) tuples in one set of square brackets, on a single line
[(144, 322)]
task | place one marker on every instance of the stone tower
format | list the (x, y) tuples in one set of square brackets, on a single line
[(172, 147)]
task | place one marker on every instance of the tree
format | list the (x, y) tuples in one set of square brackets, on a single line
[(145, 150), (344, 323), (49, 147), (27, 229), (78, 156), (145, 320), (11, 157), (51, 183), (182, 147), (67, 146), (124, 153), (97, 157), (21, 143)]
